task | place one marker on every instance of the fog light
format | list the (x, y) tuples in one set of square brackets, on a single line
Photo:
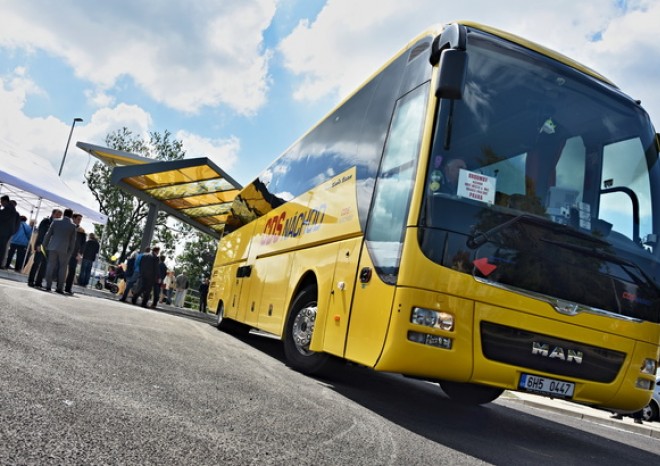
[(429, 318), (649, 366), (644, 384), (431, 340)]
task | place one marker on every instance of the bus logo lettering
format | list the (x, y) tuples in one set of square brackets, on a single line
[(281, 227), (557, 352)]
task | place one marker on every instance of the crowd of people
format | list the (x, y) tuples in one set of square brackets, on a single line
[(53, 251)]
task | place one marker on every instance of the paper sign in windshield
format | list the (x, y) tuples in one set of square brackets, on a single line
[(476, 186)]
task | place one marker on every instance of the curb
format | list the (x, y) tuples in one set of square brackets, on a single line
[(634, 428)]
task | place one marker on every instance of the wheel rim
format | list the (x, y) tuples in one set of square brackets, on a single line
[(647, 413), (220, 315), (303, 328)]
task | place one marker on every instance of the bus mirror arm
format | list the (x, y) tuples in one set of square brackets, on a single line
[(448, 50)]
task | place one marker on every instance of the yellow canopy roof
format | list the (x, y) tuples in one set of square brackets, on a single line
[(196, 191)]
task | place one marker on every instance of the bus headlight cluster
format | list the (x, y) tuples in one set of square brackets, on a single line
[(431, 340), (430, 318), (649, 366), (644, 384)]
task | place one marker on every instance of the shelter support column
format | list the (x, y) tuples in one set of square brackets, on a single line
[(149, 227)]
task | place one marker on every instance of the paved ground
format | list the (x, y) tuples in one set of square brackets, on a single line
[(652, 429)]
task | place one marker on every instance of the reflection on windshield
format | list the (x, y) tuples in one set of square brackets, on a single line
[(539, 145)]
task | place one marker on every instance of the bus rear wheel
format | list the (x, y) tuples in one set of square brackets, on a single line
[(299, 331), (228, 325), (470, 393)]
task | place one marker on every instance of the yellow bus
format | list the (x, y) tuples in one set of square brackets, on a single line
[(482, 213)]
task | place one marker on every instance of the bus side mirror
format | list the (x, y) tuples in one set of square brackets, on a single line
[(448, 52), (451, 79)]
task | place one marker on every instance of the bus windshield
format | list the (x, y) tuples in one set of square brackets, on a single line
[(545, 180)]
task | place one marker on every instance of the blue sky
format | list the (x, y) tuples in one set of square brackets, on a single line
[(240, 80)]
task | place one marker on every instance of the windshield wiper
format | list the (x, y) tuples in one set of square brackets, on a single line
[(478, 238), (623, 263)]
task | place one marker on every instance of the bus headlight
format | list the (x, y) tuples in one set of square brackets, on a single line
[(430, 318), (649, 366)]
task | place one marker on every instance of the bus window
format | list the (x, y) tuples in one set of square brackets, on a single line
[(624, 165), (395, 182), (571, 166)]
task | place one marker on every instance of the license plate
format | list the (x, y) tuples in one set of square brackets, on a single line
[(546, 386)]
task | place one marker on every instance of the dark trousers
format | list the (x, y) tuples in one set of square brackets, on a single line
[(20, 256), (156, 293), (38, 269), (130, 283), (4, 239), (71, 273), (202, 303), (144, 289)]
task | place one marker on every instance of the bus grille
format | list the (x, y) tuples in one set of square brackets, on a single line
[(549, 354)]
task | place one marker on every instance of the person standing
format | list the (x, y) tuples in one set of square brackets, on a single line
[(76, 255), (131, 274), (19, 243), (9, 222), (89, 253), (59, 242), (148, 276), (38, 269), (168, 283), (203, 294), (162, 273), (181, 285)]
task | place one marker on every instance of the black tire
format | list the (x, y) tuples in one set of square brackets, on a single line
[(298, 334), (98, 285), (228, 325), (651, 412), (114, 288), (469, 393), (220, 321)]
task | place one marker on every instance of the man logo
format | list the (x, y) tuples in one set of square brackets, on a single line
[(557, 352)]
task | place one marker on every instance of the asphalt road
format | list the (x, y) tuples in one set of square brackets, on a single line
[(92, 381)]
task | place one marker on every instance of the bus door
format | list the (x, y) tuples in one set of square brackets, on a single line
[(241, 296), (341, 295), (370, 316), (385, 231)]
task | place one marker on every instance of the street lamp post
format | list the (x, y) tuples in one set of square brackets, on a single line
[(75, 120)]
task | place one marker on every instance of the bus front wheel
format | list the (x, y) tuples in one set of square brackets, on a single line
[(469, 393), (299, 331)]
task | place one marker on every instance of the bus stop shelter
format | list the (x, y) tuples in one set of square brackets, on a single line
[(195, 191)]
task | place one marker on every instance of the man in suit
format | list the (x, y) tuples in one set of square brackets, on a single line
[(9, 223), (76, 255), (148, 276), (59, 243), (38, 269)]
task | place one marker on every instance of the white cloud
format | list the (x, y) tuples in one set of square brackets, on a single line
[(350, 40), (223, 152), (97, 98), (187, 55)]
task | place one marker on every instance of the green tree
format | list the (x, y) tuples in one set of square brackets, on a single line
[(126, 214), (198, 255)]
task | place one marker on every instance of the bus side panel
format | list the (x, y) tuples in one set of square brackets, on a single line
[(224, 284), (320, 261), (226, 287), (273, 274), (370, 317), (341, 294)]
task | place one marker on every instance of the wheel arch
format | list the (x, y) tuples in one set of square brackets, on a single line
[(309, 278)]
